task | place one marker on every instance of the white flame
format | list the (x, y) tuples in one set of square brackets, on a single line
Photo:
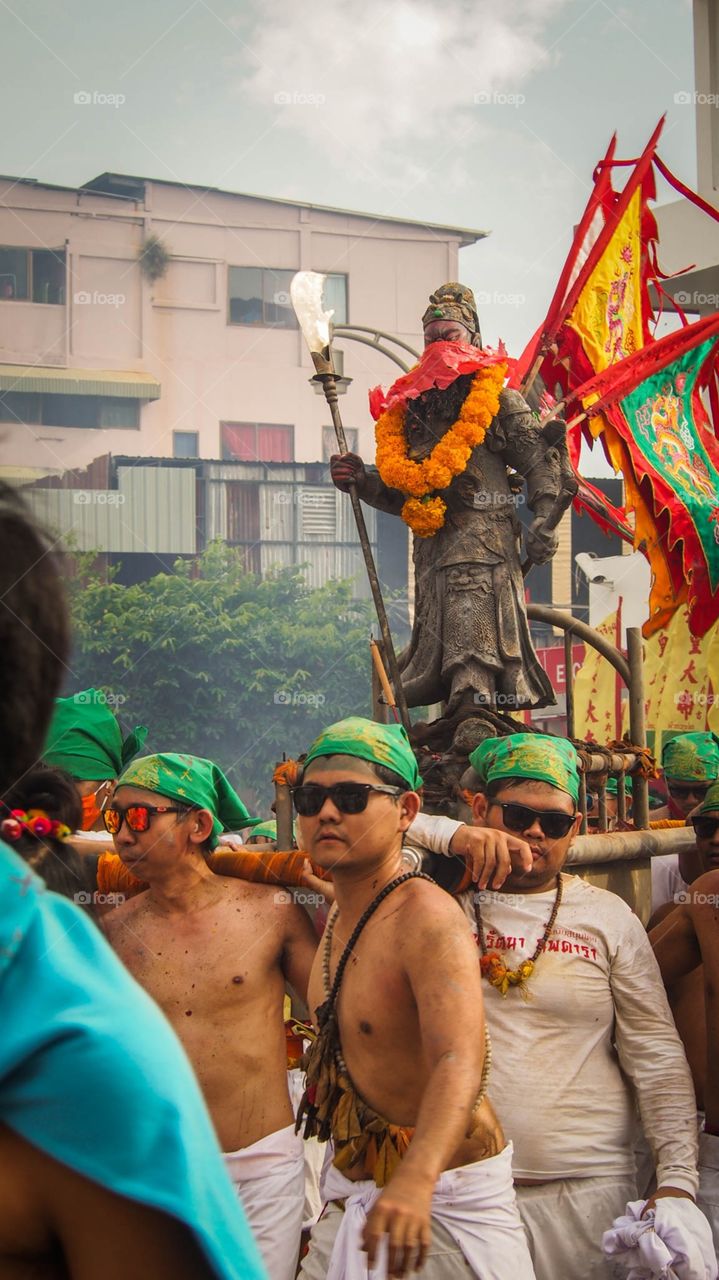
[(306, 291)]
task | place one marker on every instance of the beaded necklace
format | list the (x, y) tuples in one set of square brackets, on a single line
[(491, 963), (331, 989)]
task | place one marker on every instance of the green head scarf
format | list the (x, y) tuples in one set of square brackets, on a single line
[(692, 757), (192, 781), (85, 739), (383, 744), (710, 804), (612, 787), (529, 755)]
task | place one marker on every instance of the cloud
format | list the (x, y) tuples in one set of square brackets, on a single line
[(365, 79)]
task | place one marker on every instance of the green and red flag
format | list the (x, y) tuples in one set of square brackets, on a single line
[(651, 413)]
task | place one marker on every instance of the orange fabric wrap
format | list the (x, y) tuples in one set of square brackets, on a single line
[(245, 864), (114, 877)]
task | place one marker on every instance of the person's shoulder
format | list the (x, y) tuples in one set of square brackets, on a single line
[(428, 903), (603, 909), (704, 891)]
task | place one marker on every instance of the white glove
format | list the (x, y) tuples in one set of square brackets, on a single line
[(674, 1239)]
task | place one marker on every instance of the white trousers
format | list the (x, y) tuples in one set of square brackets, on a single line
[(476, 1229), (314, 1154), (269, 1178), (708, 1195), (565, 1221)]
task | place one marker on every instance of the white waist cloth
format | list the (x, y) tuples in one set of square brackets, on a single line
[(476, 1204), (674, 1239), (269, 1177)]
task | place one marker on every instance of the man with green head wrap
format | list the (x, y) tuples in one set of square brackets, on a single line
[(576, 1009), (86, 741), (215, 953), (425, 1161), (690, 762)]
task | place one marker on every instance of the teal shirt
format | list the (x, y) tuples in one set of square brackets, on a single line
[(92, 1073)]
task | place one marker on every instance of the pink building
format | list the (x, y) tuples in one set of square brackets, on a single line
[(205, 360)]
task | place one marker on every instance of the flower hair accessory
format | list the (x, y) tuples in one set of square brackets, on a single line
[(35, 823)]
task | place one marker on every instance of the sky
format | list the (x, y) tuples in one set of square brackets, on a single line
[(463, 112)]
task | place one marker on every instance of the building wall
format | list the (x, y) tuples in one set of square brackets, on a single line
[(176, 329)]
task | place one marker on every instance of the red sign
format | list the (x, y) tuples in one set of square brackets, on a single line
[(552, 659)]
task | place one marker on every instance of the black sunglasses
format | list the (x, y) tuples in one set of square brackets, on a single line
[(137, 816), (519, 817), (348, 797), (705, 826), (683, 790)]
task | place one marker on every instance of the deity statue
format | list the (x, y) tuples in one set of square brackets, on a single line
[(454, 450)]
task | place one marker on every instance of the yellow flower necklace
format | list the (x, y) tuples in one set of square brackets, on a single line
[(492, 965), (449, 457)]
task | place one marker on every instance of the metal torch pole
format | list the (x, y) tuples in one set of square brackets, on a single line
[(325, 372)]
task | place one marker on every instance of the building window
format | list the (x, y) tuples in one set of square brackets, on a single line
[(185, 444), (257, 442), (32, 275), (330, 445), (52, 410), (260, 296)]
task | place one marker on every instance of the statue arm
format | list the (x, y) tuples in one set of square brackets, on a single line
[(377, 494), (517, 436)]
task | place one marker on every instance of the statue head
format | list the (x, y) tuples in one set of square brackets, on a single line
[(452, 316)]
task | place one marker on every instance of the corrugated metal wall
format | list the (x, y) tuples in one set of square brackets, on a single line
[(152, 510), (283, 517)]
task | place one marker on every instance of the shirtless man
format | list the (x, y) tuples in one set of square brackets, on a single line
[(215, 954), (686, 943), (418, 1156)]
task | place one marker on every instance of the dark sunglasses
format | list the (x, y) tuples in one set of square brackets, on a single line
[(137, 816), (705, 826), (683, 791), (518, 818), (348, 797)]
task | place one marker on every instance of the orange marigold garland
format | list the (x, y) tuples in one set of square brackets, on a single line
[(425, 514)]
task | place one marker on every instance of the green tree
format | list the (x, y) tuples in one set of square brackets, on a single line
[(219, 664)]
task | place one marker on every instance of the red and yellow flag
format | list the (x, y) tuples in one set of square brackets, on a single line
[(597, 690)]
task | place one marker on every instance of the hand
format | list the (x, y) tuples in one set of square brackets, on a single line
[(540, 544), (311, 881), (347, 469), (661, 1193), (492, 855), (402, 1212)]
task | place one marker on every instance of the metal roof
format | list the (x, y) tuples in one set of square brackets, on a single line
[(105, 182), (79, 382)]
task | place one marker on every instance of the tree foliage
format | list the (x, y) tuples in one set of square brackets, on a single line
[(222, 665)]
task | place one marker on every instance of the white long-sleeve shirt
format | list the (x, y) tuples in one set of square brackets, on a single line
[(595, 1018)]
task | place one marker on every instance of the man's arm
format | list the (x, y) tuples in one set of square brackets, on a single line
[(99, 1233), (704, 913), (491, 854), (652, 1056), (675, 945), (448, 996), (299, 946)]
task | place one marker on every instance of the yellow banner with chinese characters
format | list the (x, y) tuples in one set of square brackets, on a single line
[(608, 313), (681, 680), (597, 691)]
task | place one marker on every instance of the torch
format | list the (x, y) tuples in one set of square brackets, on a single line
[(306, 293)]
